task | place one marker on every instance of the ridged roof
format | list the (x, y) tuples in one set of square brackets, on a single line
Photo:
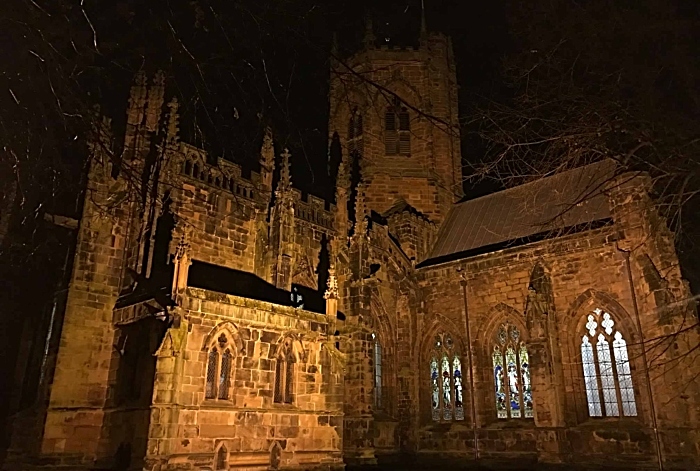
[(551, 205)]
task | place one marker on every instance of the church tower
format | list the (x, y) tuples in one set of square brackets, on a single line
[(394, 110)]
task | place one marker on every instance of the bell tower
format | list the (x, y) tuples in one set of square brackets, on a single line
[(394, 110)]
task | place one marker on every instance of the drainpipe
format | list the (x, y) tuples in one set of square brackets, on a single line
[(659, 458), (463, 282)]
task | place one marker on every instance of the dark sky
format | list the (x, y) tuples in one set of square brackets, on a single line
[(239, 66)]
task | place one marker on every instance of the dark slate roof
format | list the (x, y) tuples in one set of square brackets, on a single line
[(248, 285), (564, 202)]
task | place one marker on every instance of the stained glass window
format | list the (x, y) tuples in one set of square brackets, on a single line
[(457, 378), (435, 388), (606, 370), (511, 374), (446, 380), (217, 385)]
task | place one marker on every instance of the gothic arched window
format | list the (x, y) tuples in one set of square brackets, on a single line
[(355, 131), (397, 137), (606, 368), (511, 374), (284, 373), (221, 458), (446, 390), (219, 362), (377, 372)]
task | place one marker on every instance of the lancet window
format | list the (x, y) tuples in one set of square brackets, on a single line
[(221, 458), (446, 383), (511, 374), (219, 363), (397, 132), (606, 368), (377, 372), (284, 373), (355, 131)]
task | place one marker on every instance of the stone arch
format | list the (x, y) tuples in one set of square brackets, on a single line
[(590, 299), (220, 457), (229, 328), (406, 92), (346, 101), (573, 329), (288, 352), (442, 323), (486, 342), (499, 314), (275, 455), (428, 351), (381, 324)]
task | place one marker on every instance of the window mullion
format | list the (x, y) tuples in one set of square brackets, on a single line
[(616, 379), (598, 377), (521, 397)]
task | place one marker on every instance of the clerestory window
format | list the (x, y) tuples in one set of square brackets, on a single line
[(606, 368)]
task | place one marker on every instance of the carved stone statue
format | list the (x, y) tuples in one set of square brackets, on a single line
[(537, 310)]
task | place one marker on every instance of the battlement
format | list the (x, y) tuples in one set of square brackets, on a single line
[(313, 210), (225, 175), (435, 44)]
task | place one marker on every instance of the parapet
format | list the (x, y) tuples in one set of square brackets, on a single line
[(191, 162)]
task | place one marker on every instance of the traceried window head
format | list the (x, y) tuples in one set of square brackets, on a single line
[(606, 368), (377, 372), (284, 373), (219, 364), (511, 374), (446, 391), (397, 131)]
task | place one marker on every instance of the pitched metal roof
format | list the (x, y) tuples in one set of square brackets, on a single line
[(542, 208)]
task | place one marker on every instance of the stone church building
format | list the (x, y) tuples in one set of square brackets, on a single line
[(222, 322)]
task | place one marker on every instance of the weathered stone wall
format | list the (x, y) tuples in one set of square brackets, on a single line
[(221, 211), (587, 271), (249, 424), (430, 178), (313, 229), (74, 418)]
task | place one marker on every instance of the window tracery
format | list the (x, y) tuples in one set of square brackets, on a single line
[(511, 373), (606, 370), (446, 386), (219, 364)]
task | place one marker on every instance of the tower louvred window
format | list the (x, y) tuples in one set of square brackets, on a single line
[(397, 133)]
